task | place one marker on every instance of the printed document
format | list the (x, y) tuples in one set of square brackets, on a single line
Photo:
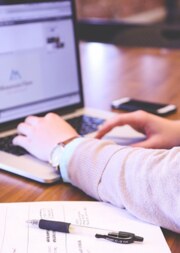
[(17, 237)]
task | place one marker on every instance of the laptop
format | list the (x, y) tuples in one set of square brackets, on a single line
[(39, 60)]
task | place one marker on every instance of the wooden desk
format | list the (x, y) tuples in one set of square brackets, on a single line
[(110, 72)]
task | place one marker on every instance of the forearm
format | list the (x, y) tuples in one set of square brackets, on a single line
[(144, 181)]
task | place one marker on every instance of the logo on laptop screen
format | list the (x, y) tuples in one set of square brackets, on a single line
[(15, 75)]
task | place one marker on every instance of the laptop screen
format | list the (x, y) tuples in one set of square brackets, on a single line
[(38, 58)]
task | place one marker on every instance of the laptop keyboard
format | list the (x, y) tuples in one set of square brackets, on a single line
[(83, 125), (7, 146)]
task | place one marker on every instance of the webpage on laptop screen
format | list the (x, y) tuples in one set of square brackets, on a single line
[(37, 59)]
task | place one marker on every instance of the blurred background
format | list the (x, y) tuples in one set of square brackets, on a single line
[(153, 23), (130, 10)]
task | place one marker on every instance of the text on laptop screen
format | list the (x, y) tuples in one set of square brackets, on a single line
[(38, 58)]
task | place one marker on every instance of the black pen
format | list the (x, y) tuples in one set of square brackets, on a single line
[(64, 227)]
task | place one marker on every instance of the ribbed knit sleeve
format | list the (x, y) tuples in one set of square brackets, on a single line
[(144, 181)]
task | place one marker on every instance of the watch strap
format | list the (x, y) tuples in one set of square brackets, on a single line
[(64, 143), (54, 159)]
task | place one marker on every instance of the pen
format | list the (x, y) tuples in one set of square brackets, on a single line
[(64, 227)]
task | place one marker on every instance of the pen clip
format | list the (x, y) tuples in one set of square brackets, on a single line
[(120, 237)]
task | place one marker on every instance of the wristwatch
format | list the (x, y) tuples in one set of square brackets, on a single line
[(57, 152)]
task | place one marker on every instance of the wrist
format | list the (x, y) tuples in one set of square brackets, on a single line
[(57, 151)]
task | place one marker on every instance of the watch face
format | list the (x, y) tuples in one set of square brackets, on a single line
[(55, 155)]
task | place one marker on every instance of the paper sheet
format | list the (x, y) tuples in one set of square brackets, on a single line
[(17, 237)]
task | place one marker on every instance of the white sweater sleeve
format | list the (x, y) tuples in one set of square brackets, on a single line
[(144, 181)]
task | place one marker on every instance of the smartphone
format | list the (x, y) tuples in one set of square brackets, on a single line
[(130, 104)]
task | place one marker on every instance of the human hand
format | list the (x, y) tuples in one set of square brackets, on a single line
[(39, 135), (160, 132)]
